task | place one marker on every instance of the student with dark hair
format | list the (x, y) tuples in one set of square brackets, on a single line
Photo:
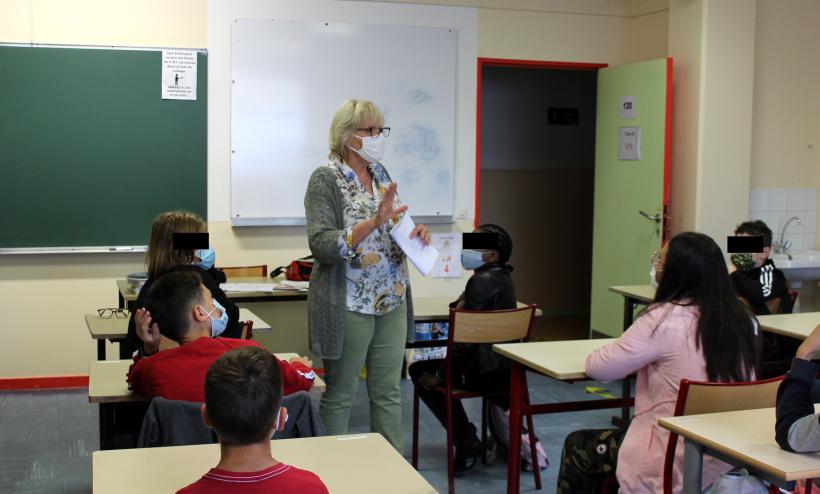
[(243, 396), (162, 258), (475, 367), (697, 329), (755, 277), (181, 308)]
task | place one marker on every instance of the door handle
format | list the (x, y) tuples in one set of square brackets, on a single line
[(656, 218)]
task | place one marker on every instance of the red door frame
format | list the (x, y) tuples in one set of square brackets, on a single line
[(506, 62)]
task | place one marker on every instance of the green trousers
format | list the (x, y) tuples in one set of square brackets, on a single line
[(376, 342)]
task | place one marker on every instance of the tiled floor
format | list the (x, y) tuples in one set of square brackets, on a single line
[(47, 437)]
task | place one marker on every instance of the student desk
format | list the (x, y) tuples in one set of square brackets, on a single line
[(798, 326), (561, 360), (115, 329), (107, 386), (743, 438), (346, 464), (128, 297)]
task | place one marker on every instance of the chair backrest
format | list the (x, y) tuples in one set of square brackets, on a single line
[(698, 397), (495, 326), (173, 423), (247, 330), (245, 271)]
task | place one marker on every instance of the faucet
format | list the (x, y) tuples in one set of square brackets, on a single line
[(782, 247)]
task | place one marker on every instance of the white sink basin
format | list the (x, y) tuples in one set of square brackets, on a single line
[(804, 265)]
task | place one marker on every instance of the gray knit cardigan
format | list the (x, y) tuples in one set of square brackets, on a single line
[(327, 293)]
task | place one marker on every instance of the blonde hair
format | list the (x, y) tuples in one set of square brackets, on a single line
[(349, 116), (161, 256)]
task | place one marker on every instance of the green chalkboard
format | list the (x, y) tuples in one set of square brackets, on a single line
[(89, 150)]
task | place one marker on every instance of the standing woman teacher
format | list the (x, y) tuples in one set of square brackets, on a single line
[(360, 310)]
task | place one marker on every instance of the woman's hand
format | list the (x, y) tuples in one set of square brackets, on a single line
[(386, 210), (421, 232), (147, 331)]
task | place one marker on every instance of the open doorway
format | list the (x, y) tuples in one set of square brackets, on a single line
[(535, 174)]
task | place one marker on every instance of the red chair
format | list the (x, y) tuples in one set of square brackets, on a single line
[(698, 397), (478, 327)]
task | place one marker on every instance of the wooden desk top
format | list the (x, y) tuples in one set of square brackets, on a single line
[(798, 325), (117, 329), (642, 293), (106, 381), (346, 464), (100, 328), (747, 436), (130, 295), (562, 360), (438, 308)]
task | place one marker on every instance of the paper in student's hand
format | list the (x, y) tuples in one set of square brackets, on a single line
[(422, 256)]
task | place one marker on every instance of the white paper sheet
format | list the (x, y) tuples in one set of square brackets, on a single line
[(247, 287), (179, 74), (448, 264), (422, 256)]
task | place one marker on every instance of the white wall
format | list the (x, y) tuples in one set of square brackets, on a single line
[(786, 123)]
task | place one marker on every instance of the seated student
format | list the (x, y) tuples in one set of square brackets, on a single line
[(798, 427), (243, 396), (696, 328), (755, 277), (162, 258), (180, 307), (475, 367), (763, 287)]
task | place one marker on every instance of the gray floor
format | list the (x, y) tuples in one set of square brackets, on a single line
[(47, 437)]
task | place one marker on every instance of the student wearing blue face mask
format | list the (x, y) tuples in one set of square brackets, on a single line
[(486, 252), (181, 308), (162, 258)]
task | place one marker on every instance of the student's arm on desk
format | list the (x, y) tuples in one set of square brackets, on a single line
[(297, 375), (636, 348), (797, 427)]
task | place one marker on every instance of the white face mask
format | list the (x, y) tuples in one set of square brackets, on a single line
[(652, 280), (372, 148)]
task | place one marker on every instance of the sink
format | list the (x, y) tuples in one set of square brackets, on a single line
[(804, 265)]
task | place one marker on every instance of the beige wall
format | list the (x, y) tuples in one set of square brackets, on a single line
[(45, 296), (786, 125)]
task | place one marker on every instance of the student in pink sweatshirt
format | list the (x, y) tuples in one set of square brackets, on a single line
[(695, 329)]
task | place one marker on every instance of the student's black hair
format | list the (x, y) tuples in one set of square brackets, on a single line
[(756, 228), (170, 300), (243, 392), (694, 273), (504, 241)]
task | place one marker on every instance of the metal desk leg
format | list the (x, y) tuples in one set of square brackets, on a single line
[(106, 425), (514, 450), (101, 349), (692, 467)]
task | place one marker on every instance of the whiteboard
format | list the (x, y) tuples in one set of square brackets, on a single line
[(289, 77)]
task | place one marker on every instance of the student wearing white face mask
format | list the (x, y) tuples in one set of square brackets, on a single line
[(162, 258), (360, 309)]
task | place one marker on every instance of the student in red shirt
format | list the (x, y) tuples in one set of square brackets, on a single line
[(180, 307), (243, 394)]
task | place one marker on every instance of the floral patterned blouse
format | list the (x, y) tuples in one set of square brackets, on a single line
[(377, 277)]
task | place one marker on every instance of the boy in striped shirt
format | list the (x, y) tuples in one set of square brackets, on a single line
[(243, 393)]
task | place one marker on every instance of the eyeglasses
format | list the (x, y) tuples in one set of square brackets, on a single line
[(375, 131), (110, 312)]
